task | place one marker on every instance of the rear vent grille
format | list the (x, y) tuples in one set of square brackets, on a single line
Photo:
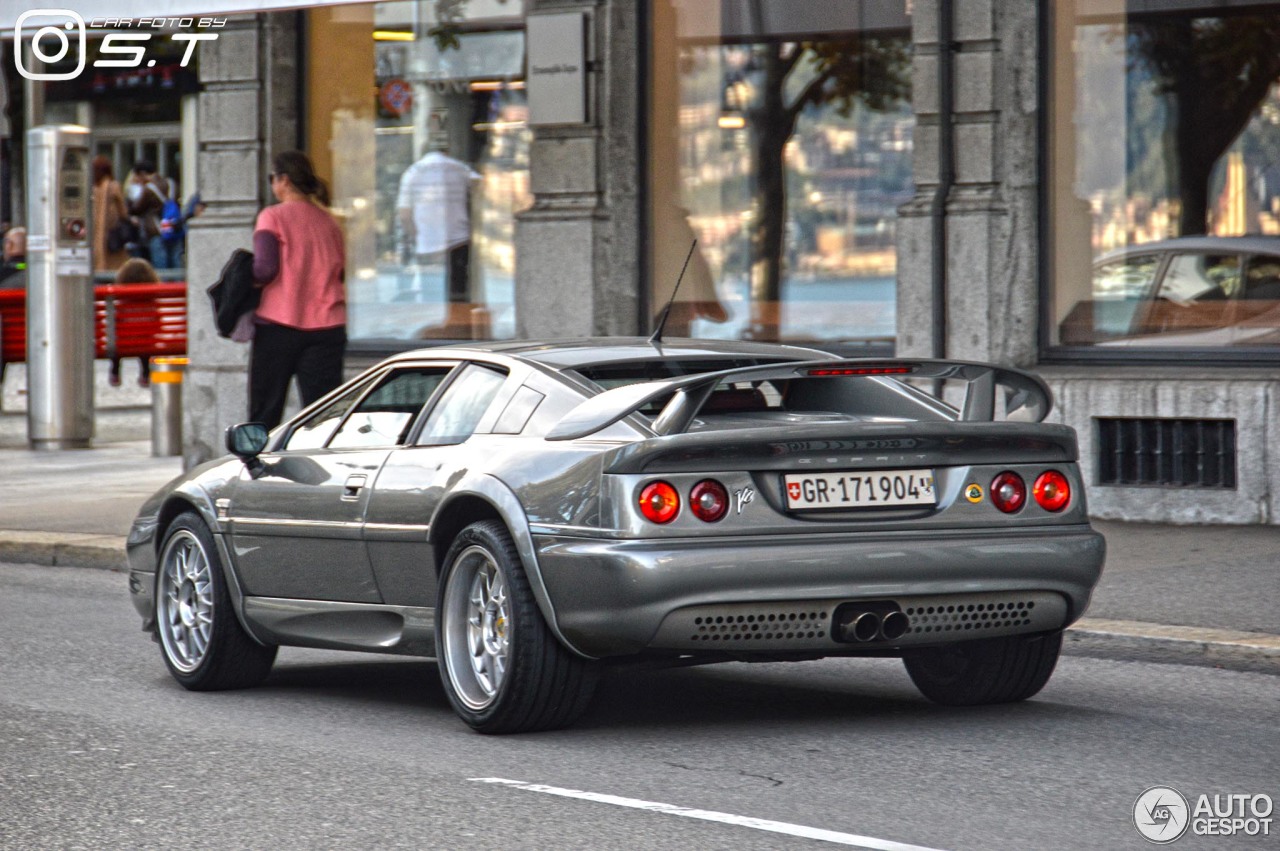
[(1168, 452), (766, 626), (978, 616)]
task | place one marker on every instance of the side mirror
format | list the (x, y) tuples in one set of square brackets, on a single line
[(246, 440)]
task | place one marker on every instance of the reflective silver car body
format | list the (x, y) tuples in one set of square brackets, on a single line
[(341, 548)]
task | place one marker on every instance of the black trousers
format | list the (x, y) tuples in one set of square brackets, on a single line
[(457, 272), (279, 353)]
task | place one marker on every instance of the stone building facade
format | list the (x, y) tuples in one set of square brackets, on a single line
[(972, 249)]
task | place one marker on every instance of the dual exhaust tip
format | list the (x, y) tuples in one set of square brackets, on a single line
[(857, 624)]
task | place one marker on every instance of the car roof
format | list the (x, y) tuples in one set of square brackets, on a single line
[(587, 351), (1252, 244)]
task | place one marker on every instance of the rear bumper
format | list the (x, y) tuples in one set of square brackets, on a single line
[(614, 597)]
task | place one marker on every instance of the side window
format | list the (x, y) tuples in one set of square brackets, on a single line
[(1263, 280), (1119, 289), (315, 431), (464, 402), (1201, 277), (1124, 279), (384, 416)]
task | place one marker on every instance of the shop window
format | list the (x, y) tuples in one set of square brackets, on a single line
[(1164, 188), (416, 114), (781, 137)]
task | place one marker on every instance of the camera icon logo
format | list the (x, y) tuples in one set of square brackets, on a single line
[(1161, 815), (50, 43)]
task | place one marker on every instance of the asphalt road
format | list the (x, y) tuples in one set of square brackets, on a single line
[(102, 749)]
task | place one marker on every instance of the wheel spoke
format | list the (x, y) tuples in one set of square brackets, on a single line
[(499, 670), (199, 643)]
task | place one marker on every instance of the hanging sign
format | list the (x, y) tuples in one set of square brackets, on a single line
[(556, 74)]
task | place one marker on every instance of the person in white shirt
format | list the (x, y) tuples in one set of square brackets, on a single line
[(434, 209)]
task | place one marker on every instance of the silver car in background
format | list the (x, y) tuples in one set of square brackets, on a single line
[(529, 514), (1219, 291)]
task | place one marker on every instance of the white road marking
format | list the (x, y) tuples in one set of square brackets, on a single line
[(868, 842)]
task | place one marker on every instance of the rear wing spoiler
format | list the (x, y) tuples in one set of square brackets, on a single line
[(1024, 393)]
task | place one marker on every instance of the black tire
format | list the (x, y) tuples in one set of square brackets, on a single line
[(997, 670), (202, 642), (502, 669)]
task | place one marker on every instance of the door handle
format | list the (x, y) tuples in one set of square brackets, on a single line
[(351, 490)]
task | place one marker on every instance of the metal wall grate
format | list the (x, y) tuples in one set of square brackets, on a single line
[(1168, 452)]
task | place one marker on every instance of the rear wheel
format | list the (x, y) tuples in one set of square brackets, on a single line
[(202, 642), (502, 669), (998, 670)]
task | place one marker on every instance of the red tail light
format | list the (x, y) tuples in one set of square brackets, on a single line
[(1052, 491), (1008, 492), (708, 500), (659, 502)]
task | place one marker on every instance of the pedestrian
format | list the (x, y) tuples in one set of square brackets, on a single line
[(434, 203), (169, 247), (147, 193), (300, 330), (135, 270), (13, 271), (110, 219)]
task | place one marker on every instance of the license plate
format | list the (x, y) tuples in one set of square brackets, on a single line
[(861, 489)]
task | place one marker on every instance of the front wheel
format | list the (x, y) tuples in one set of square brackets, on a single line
[(502, 669), (997, 670), (202, 642)]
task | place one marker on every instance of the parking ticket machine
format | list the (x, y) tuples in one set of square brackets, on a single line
[(60, 344)]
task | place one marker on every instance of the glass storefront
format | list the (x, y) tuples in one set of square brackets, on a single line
[(416, 115), (780, 136), (1164, 128)]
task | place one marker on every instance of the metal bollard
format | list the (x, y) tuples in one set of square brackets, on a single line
[(166, 406)]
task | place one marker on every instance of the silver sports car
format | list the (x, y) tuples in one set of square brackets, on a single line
[(529, 513)]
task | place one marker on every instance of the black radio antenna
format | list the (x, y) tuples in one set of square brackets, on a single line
[(666, 311)]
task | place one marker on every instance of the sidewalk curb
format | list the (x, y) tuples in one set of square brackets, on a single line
[(1135, 640), (63, 549), (1126, 640)]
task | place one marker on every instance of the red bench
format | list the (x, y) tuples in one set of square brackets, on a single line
[(129, 320), (139, 320), (13, 327)]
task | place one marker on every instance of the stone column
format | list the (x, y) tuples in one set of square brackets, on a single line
[(247, 110), (577, 247), (993, 208)]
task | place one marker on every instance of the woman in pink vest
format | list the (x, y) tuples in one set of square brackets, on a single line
[(299, 261)]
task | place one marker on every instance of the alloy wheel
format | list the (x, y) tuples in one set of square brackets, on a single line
[(476, 627), (185, 607)]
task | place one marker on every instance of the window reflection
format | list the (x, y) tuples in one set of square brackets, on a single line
[(1164, 124), (428, 172), (781, 137), (458, 412)]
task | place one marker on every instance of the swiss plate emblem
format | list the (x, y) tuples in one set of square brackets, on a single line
[(793, 490)]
